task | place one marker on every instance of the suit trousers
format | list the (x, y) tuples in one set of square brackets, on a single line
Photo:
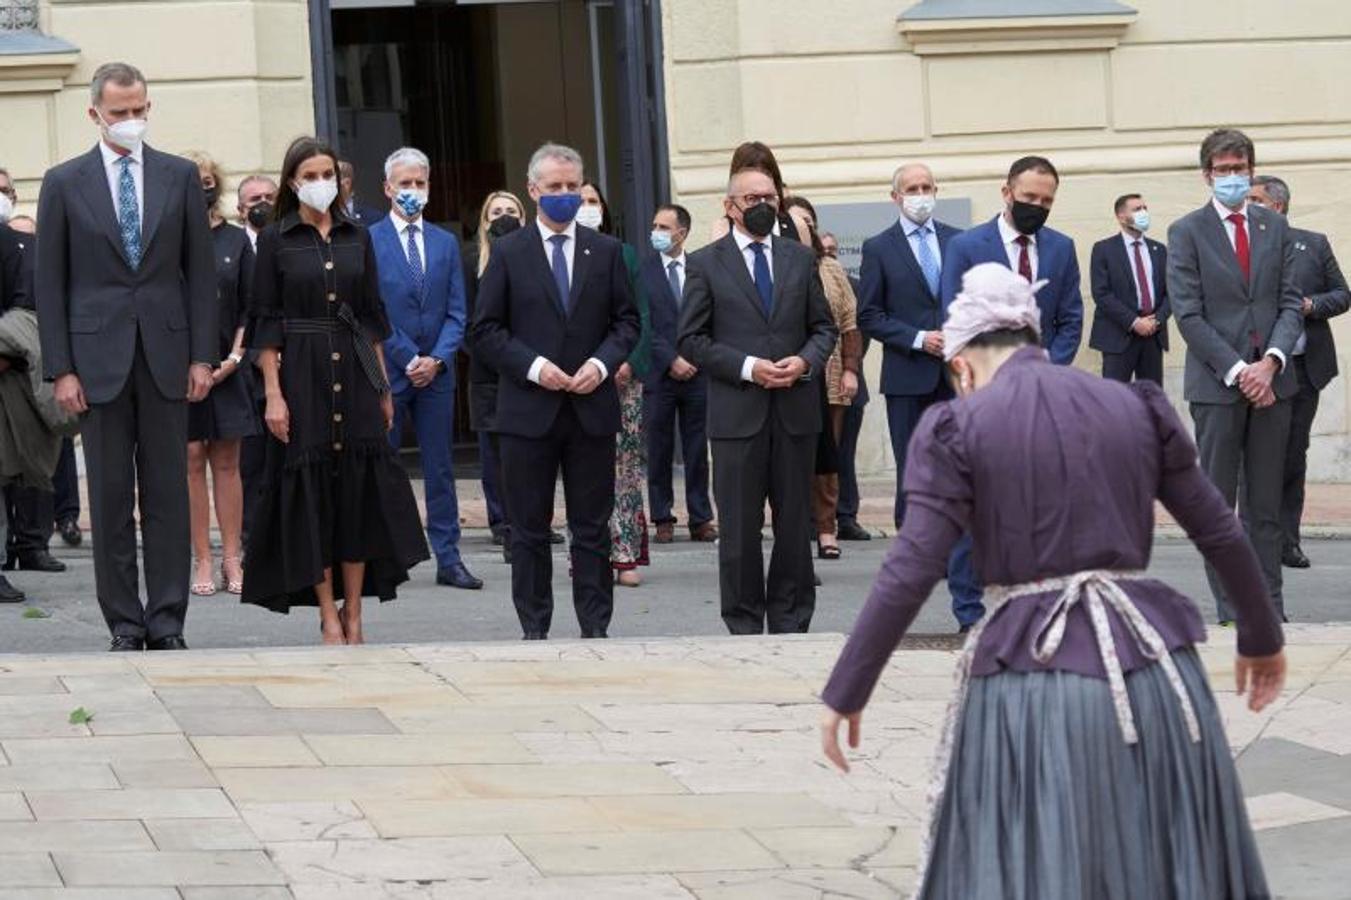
[(136, 447), (846, 510), (777, 466), (1238, 442), (530, 472), (1141, 361), (66, 484), (686, 401), (30, 520), (1303, 408), (490, 468), (432, 409)]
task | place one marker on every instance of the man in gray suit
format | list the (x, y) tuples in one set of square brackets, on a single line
[(1231, 283), (755, 318), (1324, 295), (126, 291)]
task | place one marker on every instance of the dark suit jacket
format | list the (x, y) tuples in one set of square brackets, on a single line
[(723, 322), (519, 316), (664, 315), (1217, 310), (1111, 272), (368, 215), (92, 304), (1062, 306), (896, 303), (1320, 279), (863, 396), (14, 285)]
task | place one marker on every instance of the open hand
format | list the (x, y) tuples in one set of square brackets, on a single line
[(1260, 677), (277, 417), (387, 409), (199, 382), (622, 375), (830, 735)]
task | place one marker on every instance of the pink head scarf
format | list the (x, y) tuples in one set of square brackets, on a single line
[(993, 298)]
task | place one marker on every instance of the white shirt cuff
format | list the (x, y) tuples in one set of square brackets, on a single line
[(919, 340), (1232, 375), (748, 369), (1280, 357), (604, 372), (535, 368)]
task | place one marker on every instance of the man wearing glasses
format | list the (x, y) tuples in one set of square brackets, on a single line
[(755, 319)]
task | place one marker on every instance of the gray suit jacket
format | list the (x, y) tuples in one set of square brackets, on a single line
[(722, 322), (1218, 312), (1320, 279), (92, 304)]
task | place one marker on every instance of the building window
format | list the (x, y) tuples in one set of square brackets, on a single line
[(18, 15)]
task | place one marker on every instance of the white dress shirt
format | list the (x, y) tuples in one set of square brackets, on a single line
[(569, 250), (1009, 235), (253, 236), (112, 167), (1146, 261), (401, 225), (743, 242), (915, 233), (1231, 230)]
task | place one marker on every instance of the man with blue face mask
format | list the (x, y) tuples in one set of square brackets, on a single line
[(422, 285), (1130, 326), (1232, 285)]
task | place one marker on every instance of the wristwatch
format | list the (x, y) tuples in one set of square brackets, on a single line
[(440, 364), (236, 358)]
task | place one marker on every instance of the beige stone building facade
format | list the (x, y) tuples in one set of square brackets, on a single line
[(1119, 95)]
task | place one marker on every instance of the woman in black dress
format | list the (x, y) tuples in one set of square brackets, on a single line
[(217, 424), (334, 493)]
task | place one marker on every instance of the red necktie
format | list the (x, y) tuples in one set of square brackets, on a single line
[(1025, 261), (1146, 300), (1241, 245)]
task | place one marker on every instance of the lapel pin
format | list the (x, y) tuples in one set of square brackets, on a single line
[(1261, 226), (227, 260), (586, 252)]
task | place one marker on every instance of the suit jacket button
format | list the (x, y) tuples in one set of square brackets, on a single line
[(337, 357), (329, 265), (337, 417), (337, 388), (337, 446), (332, 297)]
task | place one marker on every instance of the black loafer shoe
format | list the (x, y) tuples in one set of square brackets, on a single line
[(457, 576), (9, 593), (70, 533), (172, 642), (1294, 558), (125, 643), (852, 531), (41, 561)]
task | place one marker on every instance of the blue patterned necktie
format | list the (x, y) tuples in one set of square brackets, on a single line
[(560, 267), (927, 263), (415, 260), (673, 276), (764, 282), (129, 213)]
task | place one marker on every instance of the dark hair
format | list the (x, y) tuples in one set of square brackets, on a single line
[(804, 203), (1226, 140), (1121, 202), (1033, 164), (1005, 337), (1276, 189), (301, 149), (681, 213), (607, 225), (756, 155)]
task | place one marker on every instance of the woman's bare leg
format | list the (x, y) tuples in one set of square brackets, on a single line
[(353, 574), (199, 518), (228, 490), (330, 622)]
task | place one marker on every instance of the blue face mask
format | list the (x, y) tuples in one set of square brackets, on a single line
[(560, 208), (661, 241), (1141, 220), (411, 202), (1231, 189)]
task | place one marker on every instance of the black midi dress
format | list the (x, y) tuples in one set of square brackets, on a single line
[(334, 492), (228, 412)]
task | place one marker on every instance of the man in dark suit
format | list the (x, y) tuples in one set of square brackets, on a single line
[(555, 313), (126, 284), (674, 386), (356, 211), (757, 322), (1324, 295), (1231, 282), (1130, 328), (846, 510), (422, 286)]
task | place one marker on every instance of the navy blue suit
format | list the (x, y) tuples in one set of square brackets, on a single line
[(429, 323), (664, 398)]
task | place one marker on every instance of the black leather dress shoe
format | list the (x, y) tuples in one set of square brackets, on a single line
[(125, 643), (501, 536), (172, 642), (9, 593), (534, 636), (556, 537), (457, 576), (70, 533), (506, 553), (1294, 558), (592, 635), (852, 531), (41, 561)]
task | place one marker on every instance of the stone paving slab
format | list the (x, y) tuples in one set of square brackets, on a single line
[(675, 768)]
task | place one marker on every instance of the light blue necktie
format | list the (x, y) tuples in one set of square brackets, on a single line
[(927, 263), (415, 260), (673, 276), (129, 213), (764, 282), (560, 267)]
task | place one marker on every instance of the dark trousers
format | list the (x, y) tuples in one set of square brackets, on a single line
[(777, 466), (846, 510), (30, 520), (1141, 361), (1303, 408), (136, 445), (686, 401), (433, 412), (529, 472), (66, 485), (490, 463), (1238, 442)]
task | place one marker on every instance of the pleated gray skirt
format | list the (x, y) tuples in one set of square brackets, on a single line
[(1046, 801)]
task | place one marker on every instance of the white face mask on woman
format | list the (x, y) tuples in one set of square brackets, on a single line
[(591, 217), (318, 195)]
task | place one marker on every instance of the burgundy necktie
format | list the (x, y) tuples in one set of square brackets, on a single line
[(1241, 245), (1024, 261), (1146, 300)]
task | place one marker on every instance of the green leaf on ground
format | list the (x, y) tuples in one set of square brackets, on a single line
[(80, 716), (34, 612)]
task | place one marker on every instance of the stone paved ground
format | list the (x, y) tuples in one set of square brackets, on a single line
[(671, 768)]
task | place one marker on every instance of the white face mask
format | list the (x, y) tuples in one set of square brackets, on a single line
[(6, 207), (590, 216), (918, 207), (318, 195), (127, 134)]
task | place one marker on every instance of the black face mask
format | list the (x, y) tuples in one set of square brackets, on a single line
[(1028, 217), (759, 219), (503, 225), (260, 214), (212, 195)]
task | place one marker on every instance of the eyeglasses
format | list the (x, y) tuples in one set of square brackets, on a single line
[(749, 200)]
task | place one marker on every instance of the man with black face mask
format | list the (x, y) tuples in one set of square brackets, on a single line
[(254, 201), (256, 195), (755, 320)]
